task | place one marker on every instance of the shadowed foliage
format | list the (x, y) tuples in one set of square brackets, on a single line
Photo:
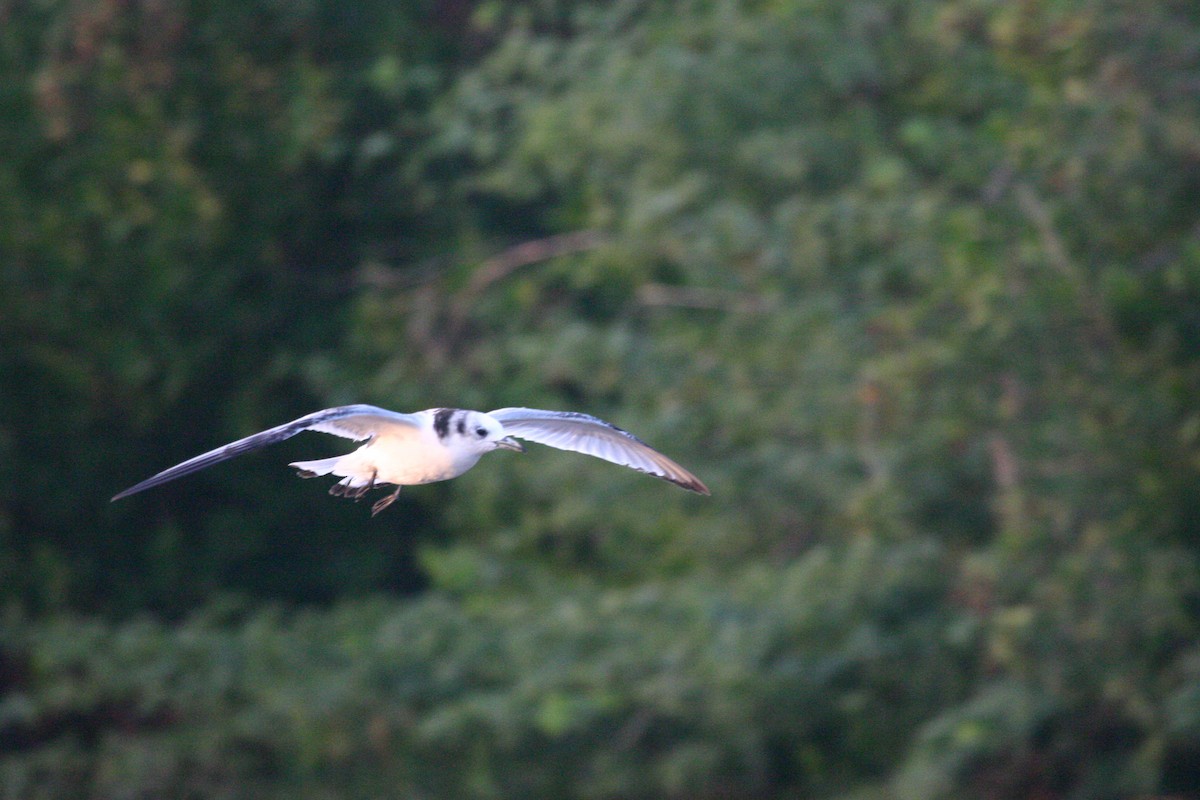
[(913, 287)]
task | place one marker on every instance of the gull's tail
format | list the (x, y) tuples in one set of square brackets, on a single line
[(311, 469), (325, 466)]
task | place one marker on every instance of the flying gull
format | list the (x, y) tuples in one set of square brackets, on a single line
[(435, 445)]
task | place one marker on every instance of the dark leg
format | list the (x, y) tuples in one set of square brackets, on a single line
[(304, 473), (380, 505), (341, 489), (358, 493)]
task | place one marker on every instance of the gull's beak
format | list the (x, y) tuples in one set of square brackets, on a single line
[(509, 443)]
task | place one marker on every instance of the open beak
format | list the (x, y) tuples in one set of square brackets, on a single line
[(509, 443)]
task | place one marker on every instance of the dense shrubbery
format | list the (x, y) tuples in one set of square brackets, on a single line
[(800, 675), (911, 285)]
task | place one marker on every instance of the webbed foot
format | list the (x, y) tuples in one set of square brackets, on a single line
[(358, 493), (380, 505)]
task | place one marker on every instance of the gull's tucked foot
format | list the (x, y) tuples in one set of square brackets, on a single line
[(358, 493), (305, 473), (380, 505)]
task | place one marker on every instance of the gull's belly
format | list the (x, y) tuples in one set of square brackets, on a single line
[(403, 461)]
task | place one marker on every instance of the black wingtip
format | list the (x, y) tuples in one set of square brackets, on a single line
[(691, 482), (137, 487)]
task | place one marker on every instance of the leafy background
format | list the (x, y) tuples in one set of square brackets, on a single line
[(914, 287)]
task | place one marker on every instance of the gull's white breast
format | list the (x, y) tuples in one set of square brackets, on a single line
[(404, 456)]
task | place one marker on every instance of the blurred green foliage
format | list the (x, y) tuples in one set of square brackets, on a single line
[(913, 286)]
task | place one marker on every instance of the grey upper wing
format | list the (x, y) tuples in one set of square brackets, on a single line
[(355, 422), (586, 434)]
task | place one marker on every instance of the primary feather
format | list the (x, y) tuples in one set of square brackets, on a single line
[(583, 433), (356, 422)]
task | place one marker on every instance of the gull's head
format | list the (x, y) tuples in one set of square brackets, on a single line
[(473, 431)]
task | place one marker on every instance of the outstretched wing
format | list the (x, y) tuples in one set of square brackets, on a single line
[(357, 422), (586, 434)]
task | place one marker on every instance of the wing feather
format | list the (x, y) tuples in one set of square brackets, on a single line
[(583, 433), (357, 422)]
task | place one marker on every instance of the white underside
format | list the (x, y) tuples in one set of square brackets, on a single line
[(406, 459)]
